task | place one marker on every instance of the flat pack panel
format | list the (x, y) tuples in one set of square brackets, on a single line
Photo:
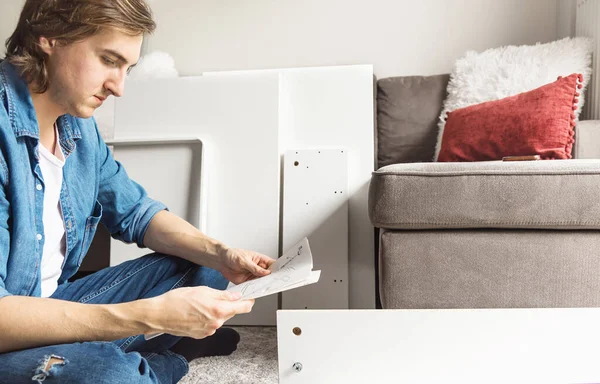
[(237, 120), (155, 164), (439, 346), (332, 107), (315, 205)]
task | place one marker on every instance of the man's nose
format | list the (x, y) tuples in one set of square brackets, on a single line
[(116, 85)]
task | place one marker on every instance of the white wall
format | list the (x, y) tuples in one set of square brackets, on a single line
[(565, 18), (9, 16), (399, 37)]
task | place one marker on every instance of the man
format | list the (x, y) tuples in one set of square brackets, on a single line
[(58, 180)]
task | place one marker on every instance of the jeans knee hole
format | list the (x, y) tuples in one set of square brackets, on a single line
[(48, 366)]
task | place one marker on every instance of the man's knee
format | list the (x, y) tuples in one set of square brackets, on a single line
[(210, 278), (50, 365), (168, 263), (101, 362)]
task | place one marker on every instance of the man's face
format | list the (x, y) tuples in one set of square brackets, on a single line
[(81, 75)]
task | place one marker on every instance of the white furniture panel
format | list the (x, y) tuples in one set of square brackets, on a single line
[(315, 205), (331, 107), (155, 164), (517, 346), (237, 119)]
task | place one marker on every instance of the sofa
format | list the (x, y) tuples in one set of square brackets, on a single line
[(493, 234)]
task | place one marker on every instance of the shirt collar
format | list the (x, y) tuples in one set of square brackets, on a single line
[(21, 112)]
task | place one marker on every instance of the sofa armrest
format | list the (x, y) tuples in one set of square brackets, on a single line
[(587, 140)]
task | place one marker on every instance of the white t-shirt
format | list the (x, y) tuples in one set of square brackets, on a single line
[(54, 226)]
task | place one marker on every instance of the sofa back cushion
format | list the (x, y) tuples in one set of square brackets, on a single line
[(408, 109)]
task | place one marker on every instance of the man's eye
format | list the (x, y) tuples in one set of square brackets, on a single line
[(108, 61)]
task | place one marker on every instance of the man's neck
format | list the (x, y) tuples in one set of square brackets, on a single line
[(46, 112)]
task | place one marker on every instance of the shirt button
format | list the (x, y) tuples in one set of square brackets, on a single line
[(39, 237), (38, 187)]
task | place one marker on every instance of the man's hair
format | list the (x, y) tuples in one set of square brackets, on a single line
[(69, 21)]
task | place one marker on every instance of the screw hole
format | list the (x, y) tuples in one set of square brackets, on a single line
[(296, 163), (335, 281)]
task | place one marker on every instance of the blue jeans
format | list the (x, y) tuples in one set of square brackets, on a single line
[(130, 360)]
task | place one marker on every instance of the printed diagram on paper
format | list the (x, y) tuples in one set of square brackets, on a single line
[(292, 270)]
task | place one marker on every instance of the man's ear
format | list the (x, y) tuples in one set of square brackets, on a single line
[(47, 45)]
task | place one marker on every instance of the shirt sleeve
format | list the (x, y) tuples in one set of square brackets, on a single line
[(4, 231), (4, 217), (127, 209)]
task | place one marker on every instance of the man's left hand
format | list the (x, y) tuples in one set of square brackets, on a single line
[(240, 265)]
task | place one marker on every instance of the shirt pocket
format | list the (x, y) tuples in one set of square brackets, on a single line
[(91, 224)]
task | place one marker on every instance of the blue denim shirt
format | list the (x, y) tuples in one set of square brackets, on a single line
[(95, 189)]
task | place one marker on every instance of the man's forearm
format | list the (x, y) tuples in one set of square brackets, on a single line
[(28, 322), (171, 235)]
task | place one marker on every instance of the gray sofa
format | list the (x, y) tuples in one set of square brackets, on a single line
[(483, 234)]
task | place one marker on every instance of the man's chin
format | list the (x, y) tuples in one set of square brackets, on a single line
[(83, 112)]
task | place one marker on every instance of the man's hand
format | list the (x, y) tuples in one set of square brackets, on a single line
[(239, 265), (195, 312)]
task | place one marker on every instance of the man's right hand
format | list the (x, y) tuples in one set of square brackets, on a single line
[(195, 312)]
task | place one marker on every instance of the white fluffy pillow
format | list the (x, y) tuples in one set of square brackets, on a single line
[(507, 71)]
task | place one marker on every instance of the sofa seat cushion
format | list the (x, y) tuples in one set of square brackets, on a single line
[(546, 194)]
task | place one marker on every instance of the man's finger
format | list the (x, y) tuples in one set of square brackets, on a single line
[(240, 306), (231, 296), (259, 271)]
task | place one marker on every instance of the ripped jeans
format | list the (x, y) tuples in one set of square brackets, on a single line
[(130, 360)]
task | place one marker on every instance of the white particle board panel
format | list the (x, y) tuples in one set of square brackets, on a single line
[(237, 119), (315, 205), (469, 346), (151, 164), (331, 107)]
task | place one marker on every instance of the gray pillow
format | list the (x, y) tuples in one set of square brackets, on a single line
[(408, 109)]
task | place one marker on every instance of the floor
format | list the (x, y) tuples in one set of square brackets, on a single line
[(254, 362)]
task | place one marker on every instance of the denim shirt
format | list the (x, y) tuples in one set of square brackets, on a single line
[(95, 189)]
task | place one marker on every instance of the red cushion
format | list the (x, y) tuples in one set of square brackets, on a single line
[(538, 122)]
